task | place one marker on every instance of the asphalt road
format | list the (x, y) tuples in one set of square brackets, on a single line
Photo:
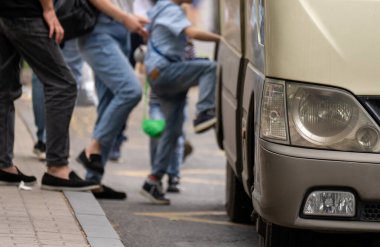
[(196, 216)]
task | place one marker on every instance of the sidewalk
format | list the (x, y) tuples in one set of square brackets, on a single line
[(36, 217)]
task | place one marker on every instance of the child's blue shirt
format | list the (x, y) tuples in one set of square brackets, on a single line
[(168, 22)]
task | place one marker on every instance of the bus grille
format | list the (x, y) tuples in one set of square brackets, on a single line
[(370, 212)]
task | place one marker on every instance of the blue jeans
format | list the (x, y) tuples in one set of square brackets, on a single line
[(74, 60), (176, 157), (171, 87), (118, 89), (38, 100)]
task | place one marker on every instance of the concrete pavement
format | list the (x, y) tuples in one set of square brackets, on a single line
[(45, 218)]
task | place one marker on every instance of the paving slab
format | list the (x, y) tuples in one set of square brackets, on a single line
[(47, 218)]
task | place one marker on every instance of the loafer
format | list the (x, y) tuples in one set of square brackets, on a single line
[(50, 182), (73, 175), (105, 192), (7, 178)]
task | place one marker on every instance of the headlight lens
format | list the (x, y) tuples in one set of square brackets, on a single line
[(317, 117), (321, 117)]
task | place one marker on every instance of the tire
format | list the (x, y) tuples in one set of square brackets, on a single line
[(238, 203), (278, 236)]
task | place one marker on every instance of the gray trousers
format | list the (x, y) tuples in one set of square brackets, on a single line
[(27, 38)]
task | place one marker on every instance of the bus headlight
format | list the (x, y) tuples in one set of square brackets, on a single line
[(330, 118), (321, 116), (314, 116)]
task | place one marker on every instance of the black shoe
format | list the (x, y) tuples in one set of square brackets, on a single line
[(7, 178), (188, 149), (105, 192), (50, 182), (39, 150), (153, 191), (173, 185), (94, 163), (73, 175), (204, 121)]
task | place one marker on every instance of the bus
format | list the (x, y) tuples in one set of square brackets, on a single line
[(298, 109)]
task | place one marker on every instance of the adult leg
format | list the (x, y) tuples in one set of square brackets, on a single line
[(105, 96), (30, 38), (128, 48), (110, 64), (73, 58), (60, 95), (10, 89), (115, 152), (38, 102)]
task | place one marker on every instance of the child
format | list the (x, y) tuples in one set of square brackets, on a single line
[(171, 76)]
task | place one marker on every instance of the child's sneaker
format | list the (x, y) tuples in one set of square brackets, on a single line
[(204, 121), (153, 191), (173, 185)]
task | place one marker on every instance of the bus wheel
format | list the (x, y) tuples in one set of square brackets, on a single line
[(238, 203)]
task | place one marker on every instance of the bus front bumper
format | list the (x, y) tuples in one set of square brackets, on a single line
[(284, 176)]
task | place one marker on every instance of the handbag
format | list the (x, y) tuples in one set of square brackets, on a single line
[(152, 127), (77, 17)]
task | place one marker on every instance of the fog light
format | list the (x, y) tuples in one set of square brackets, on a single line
[(330, 203)]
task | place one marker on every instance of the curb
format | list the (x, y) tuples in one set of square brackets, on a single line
[(91, 217), (88, 212)]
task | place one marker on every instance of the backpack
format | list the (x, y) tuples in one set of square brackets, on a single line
[(77, 17)]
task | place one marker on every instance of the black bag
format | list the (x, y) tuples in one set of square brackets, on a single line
[(77, 17)]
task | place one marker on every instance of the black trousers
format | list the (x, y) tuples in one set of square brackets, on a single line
[(27, 38)]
